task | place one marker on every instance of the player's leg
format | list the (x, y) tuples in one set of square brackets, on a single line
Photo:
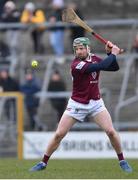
[(64, 126), (103, 119)]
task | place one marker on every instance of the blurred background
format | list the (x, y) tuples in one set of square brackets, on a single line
[(32, 30)]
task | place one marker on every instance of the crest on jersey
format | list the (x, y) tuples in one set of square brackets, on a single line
[(94, 74), (80, 65)]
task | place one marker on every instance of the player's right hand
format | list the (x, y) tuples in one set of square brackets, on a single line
[(115, 50)]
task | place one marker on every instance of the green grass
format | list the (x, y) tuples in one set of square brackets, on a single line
[(67, 169)]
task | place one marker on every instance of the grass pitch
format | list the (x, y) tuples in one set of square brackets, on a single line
[(67, 169)]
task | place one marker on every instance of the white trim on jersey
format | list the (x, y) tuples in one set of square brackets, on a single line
[(89, 58)]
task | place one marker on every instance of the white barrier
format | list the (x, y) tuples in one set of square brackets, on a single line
[(79, 145)]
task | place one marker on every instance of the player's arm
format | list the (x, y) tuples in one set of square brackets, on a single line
[(108, 64)]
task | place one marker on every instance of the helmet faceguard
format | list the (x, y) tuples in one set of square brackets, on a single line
[(82, 41)]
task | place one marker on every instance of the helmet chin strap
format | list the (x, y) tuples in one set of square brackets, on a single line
[(88, 49), (89, 53)]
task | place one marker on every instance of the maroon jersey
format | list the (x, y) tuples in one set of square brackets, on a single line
[(85, 85)]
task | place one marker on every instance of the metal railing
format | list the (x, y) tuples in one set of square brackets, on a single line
[(127, 56)]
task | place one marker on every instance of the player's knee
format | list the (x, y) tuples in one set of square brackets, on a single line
[(110, 132), (59, 135)]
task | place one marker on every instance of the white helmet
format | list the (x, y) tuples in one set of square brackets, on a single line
[(30, 6), (10, 4)]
